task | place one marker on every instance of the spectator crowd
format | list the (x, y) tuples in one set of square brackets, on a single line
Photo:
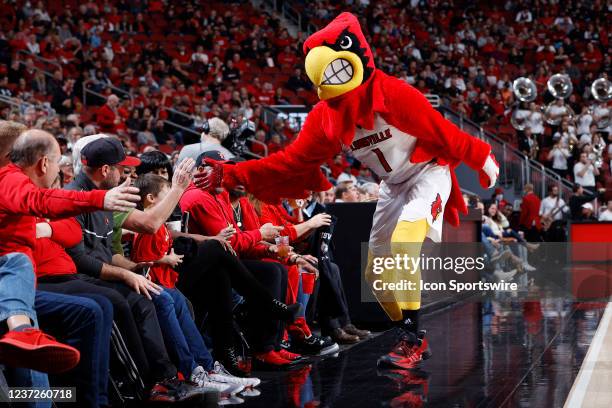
[(110, 109)]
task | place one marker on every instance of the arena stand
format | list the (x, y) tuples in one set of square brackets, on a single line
[(174, 65)]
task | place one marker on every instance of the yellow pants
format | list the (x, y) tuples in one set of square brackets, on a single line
[(407, 239)]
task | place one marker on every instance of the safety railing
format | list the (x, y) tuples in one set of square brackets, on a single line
[(87, 90), (198, 134), (40, 59), (20, 106), (515, 167), (262, 144), (37, 69)]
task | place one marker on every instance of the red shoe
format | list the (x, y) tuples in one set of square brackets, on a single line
[(287, 355), (406, 354), (161, 393), (270, 360), (408, 399), (32, 348)]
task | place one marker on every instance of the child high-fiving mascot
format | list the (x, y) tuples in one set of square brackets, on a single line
[(391, 128)]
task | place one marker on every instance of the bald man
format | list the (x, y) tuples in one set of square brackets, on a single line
[(25, 194)]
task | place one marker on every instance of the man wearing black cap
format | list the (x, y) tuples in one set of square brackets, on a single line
[(103, 161)]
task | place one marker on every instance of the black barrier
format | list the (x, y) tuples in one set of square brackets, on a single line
[(353, 229)]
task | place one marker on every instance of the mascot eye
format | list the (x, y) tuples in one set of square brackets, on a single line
[(346, 42)]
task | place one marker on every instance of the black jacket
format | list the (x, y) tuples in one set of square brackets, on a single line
[(96, 247)]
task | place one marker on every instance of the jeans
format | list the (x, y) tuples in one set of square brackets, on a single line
[(17, 290), (132, 314), (85, 323), (183, 340), (17, 286), (302, 298)]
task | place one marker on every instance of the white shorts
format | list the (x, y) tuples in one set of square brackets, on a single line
[(422, 196)]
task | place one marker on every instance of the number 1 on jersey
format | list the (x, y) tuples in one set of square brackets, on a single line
[(383, 161)]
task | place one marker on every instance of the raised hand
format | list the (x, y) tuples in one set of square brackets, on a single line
[(121, 198), (183, 174)]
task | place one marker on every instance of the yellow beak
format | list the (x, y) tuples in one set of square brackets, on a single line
[(333, 73)]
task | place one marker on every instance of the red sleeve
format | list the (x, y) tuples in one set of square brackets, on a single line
[(412, 113), (21, 197), (272, 214), (66, 232), (292, 172)]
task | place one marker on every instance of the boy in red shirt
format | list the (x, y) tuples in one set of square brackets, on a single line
[(194, 359)]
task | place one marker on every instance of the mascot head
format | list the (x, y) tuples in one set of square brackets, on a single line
[(338, 58)]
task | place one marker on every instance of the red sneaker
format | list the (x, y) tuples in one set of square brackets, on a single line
[(270, 360), (406, 354), (287, 355), (38, 351), (161, 393), (408, 399)]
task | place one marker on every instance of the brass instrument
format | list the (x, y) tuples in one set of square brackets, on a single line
[(560, 87), (524, 90), (598, 151), (601, 89)]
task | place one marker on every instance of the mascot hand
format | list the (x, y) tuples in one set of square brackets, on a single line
[(210, 177), (488, 175)]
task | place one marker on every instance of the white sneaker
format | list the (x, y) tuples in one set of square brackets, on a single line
[(250, 392), (200, 377), (528, 268), (220, 374), (506, 276)]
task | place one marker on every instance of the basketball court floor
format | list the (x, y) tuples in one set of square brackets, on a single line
[(492, 353)]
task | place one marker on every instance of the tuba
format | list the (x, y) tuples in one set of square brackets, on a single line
[(601, 89), (524, 90), (598, 153), (560, 87)]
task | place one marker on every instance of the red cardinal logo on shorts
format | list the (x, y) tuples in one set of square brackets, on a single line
[(436, 208)]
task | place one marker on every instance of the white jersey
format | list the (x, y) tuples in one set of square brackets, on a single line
[(386, 151)]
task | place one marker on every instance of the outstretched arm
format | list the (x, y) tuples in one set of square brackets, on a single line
[(412, 113), (292, 172)]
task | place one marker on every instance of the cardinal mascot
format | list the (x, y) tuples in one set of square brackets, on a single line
[(389, 126)]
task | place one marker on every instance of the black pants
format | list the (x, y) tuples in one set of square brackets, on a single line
[(207, 279), (267, 334), (135, 316), (331, 298)]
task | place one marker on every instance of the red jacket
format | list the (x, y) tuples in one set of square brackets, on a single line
[(105, 118), (50, 255), (151, 248), (209, 214), (22, 202), (530, 211), (277, 215)]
